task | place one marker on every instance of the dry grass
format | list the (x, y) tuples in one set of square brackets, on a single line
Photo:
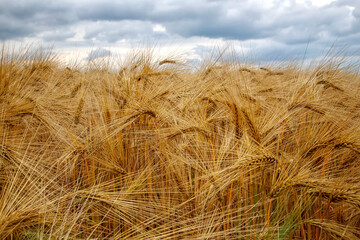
[(227, 152)]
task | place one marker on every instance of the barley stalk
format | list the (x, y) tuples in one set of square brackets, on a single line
[(167, 61), (79, 111)]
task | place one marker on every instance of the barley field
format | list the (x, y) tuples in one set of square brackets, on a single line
[(163, 150)]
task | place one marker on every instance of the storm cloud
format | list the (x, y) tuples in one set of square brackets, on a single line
[(278, 27)]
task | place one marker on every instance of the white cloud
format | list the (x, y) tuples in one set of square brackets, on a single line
[(159, 28), (318, 3), (321, 3)]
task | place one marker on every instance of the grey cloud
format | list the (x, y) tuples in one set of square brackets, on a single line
[(38, 10), (113, 10), (207, 26), (289, 53), (57, 35), (112, 31), (189, 18), (13, 29), (292, 26), (21, 9), (98, 53), (21, 18)]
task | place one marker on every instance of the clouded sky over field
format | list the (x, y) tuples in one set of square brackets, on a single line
[(269, 29)]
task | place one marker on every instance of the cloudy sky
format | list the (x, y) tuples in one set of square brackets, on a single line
[(268, 30)]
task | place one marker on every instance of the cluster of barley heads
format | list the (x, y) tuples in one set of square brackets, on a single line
[(163, 150)]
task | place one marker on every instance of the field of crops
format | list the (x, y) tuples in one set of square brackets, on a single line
[(163, 150)]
